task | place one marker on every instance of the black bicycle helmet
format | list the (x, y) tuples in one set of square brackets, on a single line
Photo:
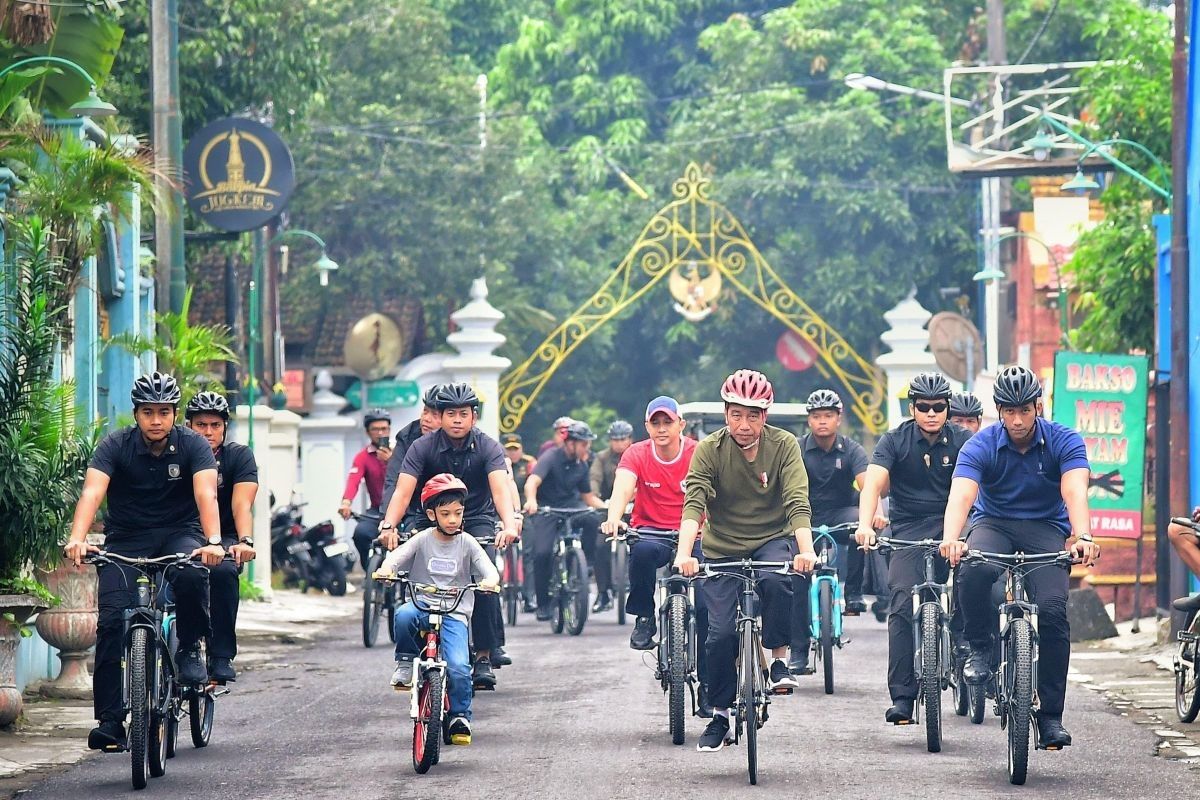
[(929, 386), (155, 387), (965, 405), (1015, 387), (620, 430), (579, 432), (455, 395), (429, 399), (376, 415), (207, 403), (824, 399)]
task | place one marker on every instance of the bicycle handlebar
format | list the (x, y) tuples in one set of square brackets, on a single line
[(571, 513), (102, 557), (1061, 557), (1187, 523), (365, 515), (888, 543), (745, 568), (631, 533)]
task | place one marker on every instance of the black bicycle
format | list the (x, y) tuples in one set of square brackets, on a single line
[(1016, 677), (933, 651), (151, 692), (750, 708), (379, 597), (1187, 665), (620, 574), (569, 592)]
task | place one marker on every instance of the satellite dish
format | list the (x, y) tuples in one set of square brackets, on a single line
[(373, 346), (952, 337)]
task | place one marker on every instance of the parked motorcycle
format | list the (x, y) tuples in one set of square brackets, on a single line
[(311, 558)]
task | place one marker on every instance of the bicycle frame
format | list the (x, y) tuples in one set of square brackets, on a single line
[(825, 572)]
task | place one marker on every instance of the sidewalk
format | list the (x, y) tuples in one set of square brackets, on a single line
[(53, 733), (1134, 672)]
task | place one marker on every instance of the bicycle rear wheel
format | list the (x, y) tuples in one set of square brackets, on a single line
[(577, 599), (512, 585), (962, 692), (676, 635), (427, 728), (825, 604), (202, 707), (372, 602), (749, 700), (1020, 698), (137, 662), (390, 596), (931, 677), (620, 579)]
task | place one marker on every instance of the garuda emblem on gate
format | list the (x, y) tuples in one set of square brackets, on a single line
[(694, 291)]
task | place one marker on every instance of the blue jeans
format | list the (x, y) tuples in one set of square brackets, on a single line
[(409, 624)]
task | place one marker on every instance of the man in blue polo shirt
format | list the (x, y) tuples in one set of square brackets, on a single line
[(1027, 479)]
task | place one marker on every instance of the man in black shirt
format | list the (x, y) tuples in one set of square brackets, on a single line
[(161, 482), (429, 421), (834, 464), (560, 480), (477, 459), (237, 484), (913, 463)]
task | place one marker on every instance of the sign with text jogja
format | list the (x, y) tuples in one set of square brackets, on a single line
[(239, 174), (1104, 398)]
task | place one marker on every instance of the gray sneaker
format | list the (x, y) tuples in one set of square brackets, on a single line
[(402, 678)]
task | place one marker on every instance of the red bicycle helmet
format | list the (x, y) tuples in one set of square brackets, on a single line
[(748, 388), (440, 484)]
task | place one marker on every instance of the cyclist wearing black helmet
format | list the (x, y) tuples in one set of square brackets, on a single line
[(912, 463), (207, 413), (161, 483), (370, 467), (430, 420), (459, 448), (602, 473), (966, 411), (560, 480), (1027, 479)]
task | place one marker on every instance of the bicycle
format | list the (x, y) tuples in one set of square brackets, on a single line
[(750, 708), (377, 598), (933, 651), (512, 579), (569, 591), (620, 575), (1187, 686), (429, 703), (825, 597), (151, 692), (1016, 677)]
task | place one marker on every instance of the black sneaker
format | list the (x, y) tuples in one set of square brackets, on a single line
[(500, 658), (798, 664), (528, 606), (715, 736), (109, 737), (781, 677), (879, 610), (704, 708), (978, 666), (459, 731), (900, 713), (544, 613), (855, 606), (1051, 733), (642, 637), (191, 666), (603, 603), (482, 676), (221, 670)]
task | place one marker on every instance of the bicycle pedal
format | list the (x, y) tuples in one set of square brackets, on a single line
[(462, 739), (904, 722), (782, 690), (484, 687), (114, 748), (851, 613), (1049, 748)]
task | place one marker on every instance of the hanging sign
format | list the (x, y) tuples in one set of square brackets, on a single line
[(238, 174)]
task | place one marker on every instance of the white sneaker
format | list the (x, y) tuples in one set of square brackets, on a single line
[(402, 677)]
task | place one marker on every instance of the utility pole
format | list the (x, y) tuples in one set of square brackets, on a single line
[(167, 138), (1179, 462), (991, 195)]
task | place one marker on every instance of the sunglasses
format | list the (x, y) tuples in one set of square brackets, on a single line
[(936, 408)]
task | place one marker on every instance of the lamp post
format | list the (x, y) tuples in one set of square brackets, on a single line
[(1064, 322), (90, 106), (1043, 142)]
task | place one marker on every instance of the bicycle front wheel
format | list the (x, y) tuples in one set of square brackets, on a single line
[(576, 605), (1020, 698), (137, 662), (427, 728), (1187, 688), (512, 586), (825, 604), (161, 707), (372, 602), (931, 676), (202, 707), (676, 636), (751, 675), (620, 579)]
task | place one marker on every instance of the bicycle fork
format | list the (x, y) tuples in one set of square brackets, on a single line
[(428, 660)]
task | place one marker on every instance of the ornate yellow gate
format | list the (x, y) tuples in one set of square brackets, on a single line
[(689, 231)]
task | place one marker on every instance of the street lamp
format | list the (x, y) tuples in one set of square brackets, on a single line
[(1101, 149), (1064, 319), (90, 106), (857, 80)]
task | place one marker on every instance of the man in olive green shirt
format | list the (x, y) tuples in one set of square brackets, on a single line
[(748, 481)]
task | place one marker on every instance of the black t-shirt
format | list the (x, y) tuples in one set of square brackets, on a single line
[(920, 472), (152, 493), (480, 455), (404, 440), (235, 464), (831, 474), (564, 479)]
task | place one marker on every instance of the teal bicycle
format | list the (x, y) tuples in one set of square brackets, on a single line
[(825, 597)]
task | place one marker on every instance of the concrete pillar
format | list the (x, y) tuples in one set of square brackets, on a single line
[(325, 451), (239, 432), (476, 340), (284, 452), (909, 343)]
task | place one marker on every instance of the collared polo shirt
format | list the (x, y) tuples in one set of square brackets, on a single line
[(564, 479), (831, 474), (919, 471), (235, 464), (478, 456), (1015, 485), (404, 440), (149, 493)]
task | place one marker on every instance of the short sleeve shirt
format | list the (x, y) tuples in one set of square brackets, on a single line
[(1015, 485), (564, 479), (660, 484), (148, 493), (235, 464), (479, 456), (919, 471), (831, 474)]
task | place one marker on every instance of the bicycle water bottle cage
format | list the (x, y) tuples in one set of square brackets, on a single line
[(143, 591)]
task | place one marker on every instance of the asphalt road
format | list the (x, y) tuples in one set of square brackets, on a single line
[(581, 717)]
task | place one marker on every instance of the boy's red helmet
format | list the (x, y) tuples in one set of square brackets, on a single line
[(440, 484)]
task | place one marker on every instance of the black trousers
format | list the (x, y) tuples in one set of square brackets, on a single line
[(601, 556), (487, 617), (906, 569), (1046, 586), (540, 534), (118, 591), (223, 602), (801, 584), (722, 596), (364, 533)]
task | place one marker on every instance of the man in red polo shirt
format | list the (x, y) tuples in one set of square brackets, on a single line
[(369, 466)]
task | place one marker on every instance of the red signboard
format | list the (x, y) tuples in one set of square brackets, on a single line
[(794, 352)]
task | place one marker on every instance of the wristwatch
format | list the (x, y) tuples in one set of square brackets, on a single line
[(1086, 537), (214, 540), (386, 526), (246, 540)]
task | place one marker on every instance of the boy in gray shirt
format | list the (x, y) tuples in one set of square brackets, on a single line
[(442, 557)]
